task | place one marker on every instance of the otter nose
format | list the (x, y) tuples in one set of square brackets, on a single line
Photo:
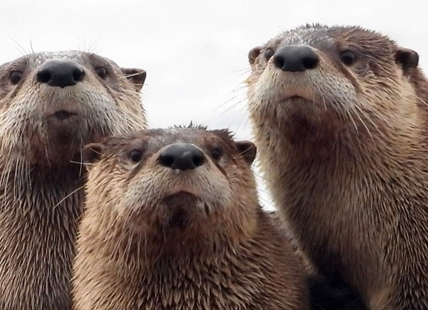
[(181, 156), (60, 73), (296, 59)]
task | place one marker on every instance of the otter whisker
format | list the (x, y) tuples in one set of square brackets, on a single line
[(126, 76), (240, 87), (69, 195), (21, 49), (348, 113), (132, 92), (355, 111), (80, 162), (232, 107), (243, 72), (229, 101), (261, 177), (92, 48), (31, 47), (81, 158)]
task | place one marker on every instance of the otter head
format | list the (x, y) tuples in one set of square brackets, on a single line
[(53, 103), (171, 185), (324, 87)]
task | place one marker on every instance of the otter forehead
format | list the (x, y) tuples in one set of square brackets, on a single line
[(330, 36), (304, 35), (180, 134), (155, 139), (35, 60), (194, 135)]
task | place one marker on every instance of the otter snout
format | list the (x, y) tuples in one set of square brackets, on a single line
[(296, 59), (60, 73), (181, 156)]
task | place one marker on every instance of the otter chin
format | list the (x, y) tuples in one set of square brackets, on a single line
[(172, 221), (346, 160), (180, 207)]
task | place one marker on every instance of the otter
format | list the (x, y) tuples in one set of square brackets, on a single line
[(172, 221), (51, 104), (339, 115)]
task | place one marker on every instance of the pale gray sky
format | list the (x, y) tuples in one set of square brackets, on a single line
[(195, 52)]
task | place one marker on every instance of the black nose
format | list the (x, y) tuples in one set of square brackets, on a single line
[(296, 58), (181, 156), (60, 73)]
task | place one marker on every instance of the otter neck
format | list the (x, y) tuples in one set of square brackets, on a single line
[(359, 190), (148, 242), (39, 212), (345, 170), (46, 189)]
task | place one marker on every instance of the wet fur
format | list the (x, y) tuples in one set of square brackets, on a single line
[(347, 165), (326, 293), (224, 252), (41, 196)]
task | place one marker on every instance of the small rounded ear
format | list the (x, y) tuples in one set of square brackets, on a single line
[(135, 76), (248, 150), (92, 152), (253, 54), (406, 58)]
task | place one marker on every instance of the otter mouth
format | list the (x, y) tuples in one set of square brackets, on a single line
[(295, 94), (63, 115), (294, 97), (181, 198)]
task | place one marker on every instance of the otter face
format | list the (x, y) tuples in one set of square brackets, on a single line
[(317, 80), (51, 104), (178, 178)]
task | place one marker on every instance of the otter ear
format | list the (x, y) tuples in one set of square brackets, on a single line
[(135, 76), (406, 58), (253, 54), (91, 153), (248, 150)]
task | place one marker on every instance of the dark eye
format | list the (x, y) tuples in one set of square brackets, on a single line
[(102, 72), (216, 153), (348, 58), (15, 77), (136, 156), (269, 53)]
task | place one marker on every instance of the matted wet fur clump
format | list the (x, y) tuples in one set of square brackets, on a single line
[(340, 120), (51, 104), (172, 221)]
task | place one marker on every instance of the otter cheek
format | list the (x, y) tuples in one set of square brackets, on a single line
[(142, 191), (93, 100), (269, 89), (218, 192)]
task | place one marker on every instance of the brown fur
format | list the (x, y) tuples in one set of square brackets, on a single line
[(40, 196), (344, 148), (145, 242)]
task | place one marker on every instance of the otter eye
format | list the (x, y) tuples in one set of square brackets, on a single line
[(216, 153), (269, 53), (15, 77), (136, 156), (102, 72), (348, 58)]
